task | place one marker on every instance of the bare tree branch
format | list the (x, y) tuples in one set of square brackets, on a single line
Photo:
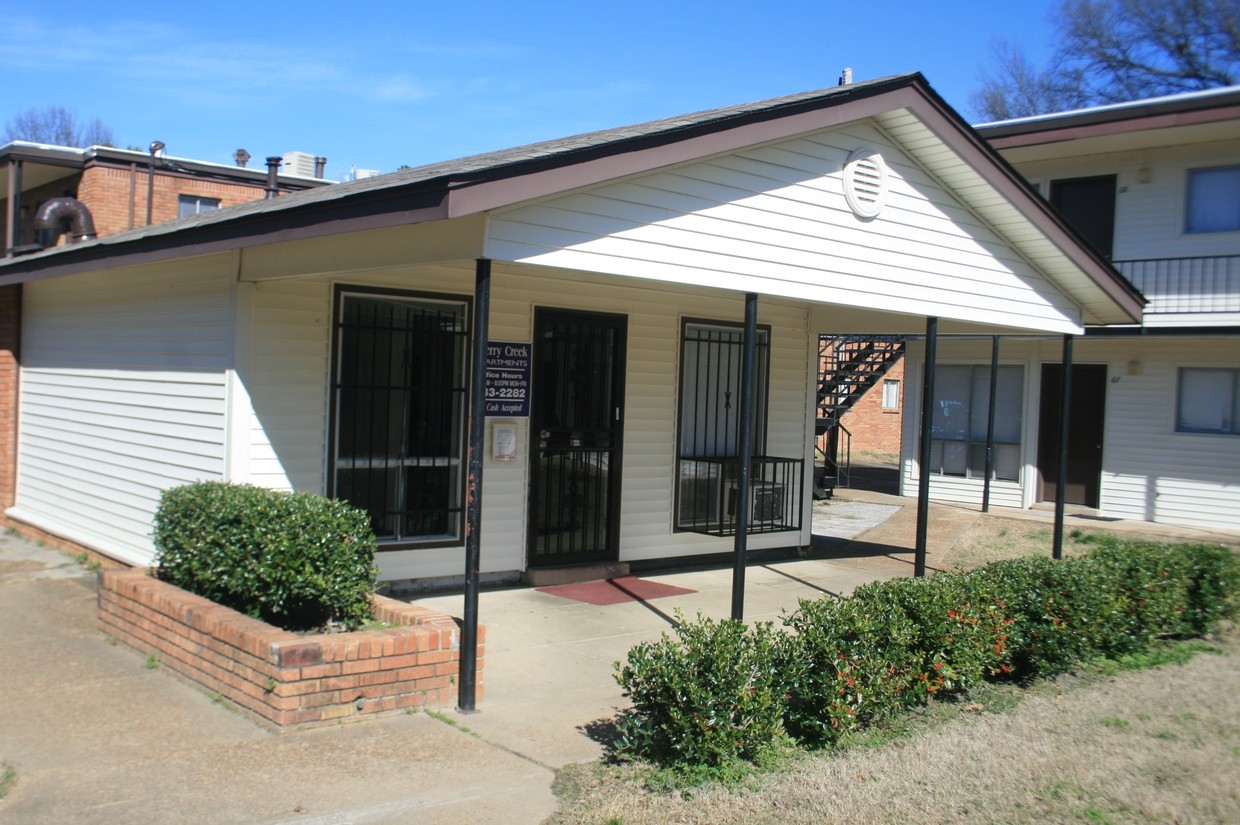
[(1112, 51), (57, 126)]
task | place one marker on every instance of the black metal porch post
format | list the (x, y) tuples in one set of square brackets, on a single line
[(1061, 481), (745, 448), (468, 690), (12, 221), (923, 470), (990, 421)]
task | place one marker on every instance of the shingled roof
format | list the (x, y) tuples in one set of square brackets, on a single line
[(418, 187)]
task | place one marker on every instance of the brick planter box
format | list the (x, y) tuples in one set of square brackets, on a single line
[(282, 677)]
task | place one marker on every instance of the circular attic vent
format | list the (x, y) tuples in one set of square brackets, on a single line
[(865, 182)]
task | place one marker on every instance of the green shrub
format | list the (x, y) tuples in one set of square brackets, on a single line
[(704, 697), (846, 664), (714, 693), (295, 560), (960, 629), (1170, 590)]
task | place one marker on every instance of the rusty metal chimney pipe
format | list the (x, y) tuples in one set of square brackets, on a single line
[(320, 164), (241, 157), (273, 169), (59, 215)]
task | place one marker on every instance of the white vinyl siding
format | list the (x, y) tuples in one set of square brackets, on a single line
[(1150, 472), (289, 373), (288, 434), (774, 220), (122, 396), (1151, 202)]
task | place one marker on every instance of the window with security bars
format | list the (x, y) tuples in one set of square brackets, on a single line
[(959, 415), (399, 413), (710, 402)]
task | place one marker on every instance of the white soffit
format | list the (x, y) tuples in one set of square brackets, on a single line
[(983, 197)]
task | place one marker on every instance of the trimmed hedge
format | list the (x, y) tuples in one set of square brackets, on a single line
[(295, 560), (706, 697), (846, 664)]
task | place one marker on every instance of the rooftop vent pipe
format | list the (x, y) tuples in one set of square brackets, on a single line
[(846, 76), (60, 215), (320, 164), (242, 157), (273, 169)]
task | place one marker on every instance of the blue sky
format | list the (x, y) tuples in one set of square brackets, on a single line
[(380, 84)]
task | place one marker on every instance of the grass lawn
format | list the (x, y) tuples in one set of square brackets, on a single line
[(1106, 744)]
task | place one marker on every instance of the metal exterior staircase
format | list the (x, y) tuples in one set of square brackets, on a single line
[(848, 366)]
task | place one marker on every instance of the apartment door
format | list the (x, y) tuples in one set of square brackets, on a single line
[(1089, 205), (1085, 431), (576, 428)]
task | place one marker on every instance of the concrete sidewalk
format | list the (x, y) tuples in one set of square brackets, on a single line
[(96, 737)]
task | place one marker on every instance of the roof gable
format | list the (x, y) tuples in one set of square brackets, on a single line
[(904, 107), (777, 219)]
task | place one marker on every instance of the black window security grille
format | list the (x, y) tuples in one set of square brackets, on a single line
[(400, 402), (709, 492), (708, 471)]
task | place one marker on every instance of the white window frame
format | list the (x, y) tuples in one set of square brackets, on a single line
[(1231, 223), (968, 452), (1229, 378), (894, 384), (200, 203)]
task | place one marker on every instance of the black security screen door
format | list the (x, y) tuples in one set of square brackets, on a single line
[(575, 428)]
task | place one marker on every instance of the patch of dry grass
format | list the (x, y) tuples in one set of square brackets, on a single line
[(993, 539), (1159, 745)]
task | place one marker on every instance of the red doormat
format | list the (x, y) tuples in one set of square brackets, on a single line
[(615, 591)]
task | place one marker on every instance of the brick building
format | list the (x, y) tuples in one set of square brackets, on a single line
[(874, 421), (121, 188)]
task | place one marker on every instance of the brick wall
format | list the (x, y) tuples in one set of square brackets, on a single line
[(10, 358), (109, 192), (874, 429), (281, 677)]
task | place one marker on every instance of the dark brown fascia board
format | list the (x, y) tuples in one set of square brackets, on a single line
[(983, 156), (494, 187), (912, 92), (46, 157), (316, 220), (691, 143), (1090, 124)]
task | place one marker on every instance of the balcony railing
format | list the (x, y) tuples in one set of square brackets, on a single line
[(1201, 284)]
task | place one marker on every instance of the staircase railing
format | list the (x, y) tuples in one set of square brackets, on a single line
[(848, 367)]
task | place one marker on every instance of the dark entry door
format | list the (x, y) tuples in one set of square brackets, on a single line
[(575, 427), (1089, 205), (1085, 430)]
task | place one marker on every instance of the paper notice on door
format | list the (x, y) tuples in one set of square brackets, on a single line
[(504, 442)]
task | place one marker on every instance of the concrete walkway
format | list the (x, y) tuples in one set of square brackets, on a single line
[(95, 737)]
